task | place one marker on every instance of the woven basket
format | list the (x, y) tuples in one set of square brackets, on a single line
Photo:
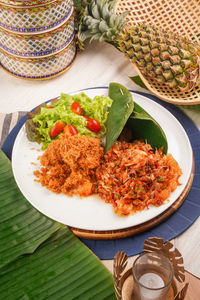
[(179, 16)]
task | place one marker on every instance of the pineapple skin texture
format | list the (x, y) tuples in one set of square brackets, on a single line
[(162, 56), (169, 59)]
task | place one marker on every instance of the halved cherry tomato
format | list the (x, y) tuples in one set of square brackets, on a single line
[(57, 128), (70, 129), (93, 125), (76, 108), (86, 118)]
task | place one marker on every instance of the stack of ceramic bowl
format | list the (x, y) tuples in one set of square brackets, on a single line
[(37, 37)]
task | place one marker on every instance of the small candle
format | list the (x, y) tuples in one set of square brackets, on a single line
[(152, 274), (152, 280)]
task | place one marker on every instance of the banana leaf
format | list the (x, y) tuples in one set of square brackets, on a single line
[(125, 113), (119, 112), (61, 268), (137, 80), (22, 228), (195, 107), (143, 126), (41, 259)]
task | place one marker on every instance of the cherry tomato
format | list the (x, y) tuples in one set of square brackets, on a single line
[(70, 129), (76, 108), (86, 118), (57, 128), (93, 125)]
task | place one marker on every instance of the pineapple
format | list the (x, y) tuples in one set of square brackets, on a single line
[(163, 56)]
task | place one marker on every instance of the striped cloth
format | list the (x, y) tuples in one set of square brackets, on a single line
[(7, 122)]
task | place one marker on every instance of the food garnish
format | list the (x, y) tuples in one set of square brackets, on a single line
[(119, 113), (143, 126), (43, 125), (93, 125), (134, 117), (70, 129), (57, 129), (76, 108), (132, 176)]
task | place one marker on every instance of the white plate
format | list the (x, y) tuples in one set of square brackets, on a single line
[(92, 213)]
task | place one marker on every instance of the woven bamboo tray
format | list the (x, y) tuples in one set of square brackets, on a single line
[(179, 16)]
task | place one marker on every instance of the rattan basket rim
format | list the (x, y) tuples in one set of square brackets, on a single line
[(165, 98)]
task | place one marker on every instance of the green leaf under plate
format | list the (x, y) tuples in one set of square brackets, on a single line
[(137, 80), (61, 268), (195, 107), (22, 227), (41, 259)]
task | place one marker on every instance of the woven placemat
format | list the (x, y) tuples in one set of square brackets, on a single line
[(182, 219)]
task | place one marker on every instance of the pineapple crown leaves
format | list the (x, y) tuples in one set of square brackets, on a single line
[(99, 22)]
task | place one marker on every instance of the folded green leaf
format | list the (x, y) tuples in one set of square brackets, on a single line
[(126, 112), (61, 268), (143, 126), (119, 113), (22, 227)]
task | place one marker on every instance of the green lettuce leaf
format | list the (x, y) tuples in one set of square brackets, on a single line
[(38, 125)]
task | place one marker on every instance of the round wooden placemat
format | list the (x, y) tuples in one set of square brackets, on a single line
[(177, 16), (122, 233)]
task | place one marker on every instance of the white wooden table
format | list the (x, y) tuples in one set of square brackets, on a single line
[(98, 65)]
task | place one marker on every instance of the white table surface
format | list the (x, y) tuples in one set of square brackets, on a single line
[(98, 65)]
